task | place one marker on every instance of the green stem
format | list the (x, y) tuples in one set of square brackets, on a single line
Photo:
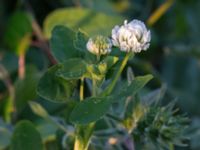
[(82, 89), (114, 81), (94, 88), (83, 135), (84, 132), (171, 147)]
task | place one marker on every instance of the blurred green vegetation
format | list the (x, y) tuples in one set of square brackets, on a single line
[(25, 28)]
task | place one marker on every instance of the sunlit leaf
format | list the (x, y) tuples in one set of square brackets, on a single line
[(90, 21)]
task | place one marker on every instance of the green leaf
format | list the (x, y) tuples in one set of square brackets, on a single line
[(93, 109), (80, 43), (38, 109), (26, 88), (101, 6), (25, 137), (54, 88), (5, 136), (137, 84), (18, 32), (135, 111), (62, 43), (90, 110), (47, 131), (81, 40), (90, 21), (72, 69)]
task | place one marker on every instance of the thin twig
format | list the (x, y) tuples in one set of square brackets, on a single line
[(39, 35), (21, 68), (43, 43), (159, 12)]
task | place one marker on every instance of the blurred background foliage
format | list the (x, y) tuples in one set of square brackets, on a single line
[(25, 27)]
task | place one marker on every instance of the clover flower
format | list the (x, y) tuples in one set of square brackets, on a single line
[(131, 37), (99, 45)]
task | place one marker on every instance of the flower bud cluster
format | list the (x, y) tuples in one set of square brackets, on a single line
[(99, 45), (130, 37)]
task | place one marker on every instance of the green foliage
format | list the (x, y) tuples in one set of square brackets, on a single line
[(54, 88), (90, 21), (62, 43), (183, 80), (81, 40), (86, 111), (162, 126), (81, 107), (5, 137), (26, 86), (19, 32), (72, 69), (130, 90), (25, 137), (134, 112)]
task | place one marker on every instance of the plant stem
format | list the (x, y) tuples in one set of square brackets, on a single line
[(84, 132), (83, 135), (114, 81), (21, 68), (42, 43), (82, 89), (171, 147), (94, 88), (10, 106)]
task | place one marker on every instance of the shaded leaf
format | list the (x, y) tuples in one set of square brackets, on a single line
[(130, 90), (62, 43), (18, 32), (25, 137), (26, 88), (81, 40), (40, 111), (5, 136), (80, 43), (90, 110), (54, 88), (72, 69)]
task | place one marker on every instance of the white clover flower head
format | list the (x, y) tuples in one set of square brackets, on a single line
[(99, 45), (131, 37)]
